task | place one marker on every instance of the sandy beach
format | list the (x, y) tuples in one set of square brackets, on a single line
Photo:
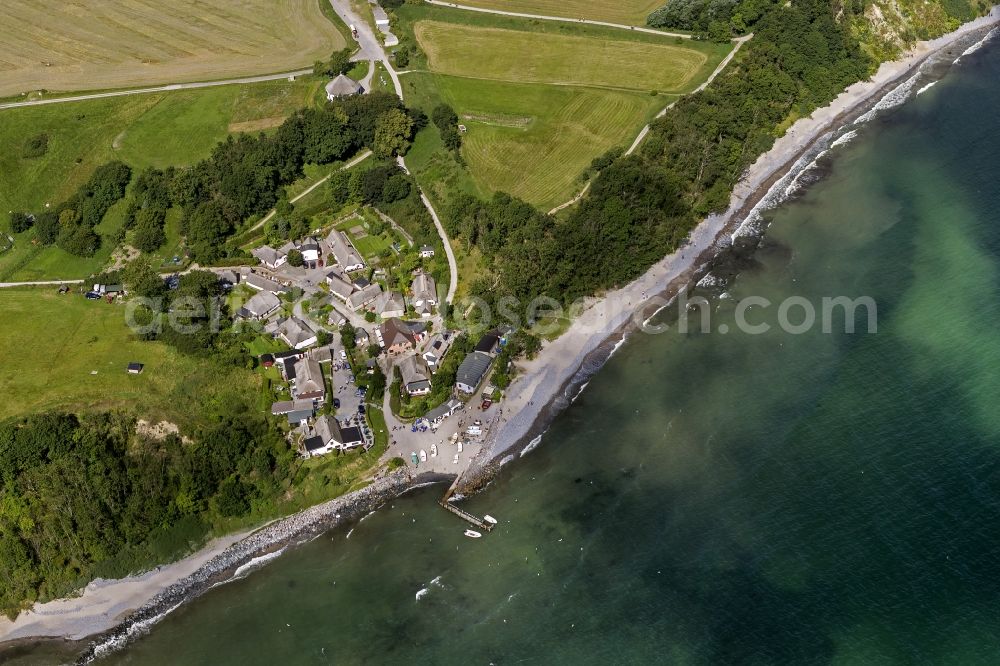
[(542, 385), (537, 394)]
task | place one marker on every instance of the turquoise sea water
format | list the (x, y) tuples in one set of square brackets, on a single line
[(719, 498)]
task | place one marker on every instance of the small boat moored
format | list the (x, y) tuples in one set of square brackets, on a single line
[(434, 450), (490, 519), (423, 456), (472, 534)]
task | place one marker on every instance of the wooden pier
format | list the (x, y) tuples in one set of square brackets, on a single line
[(465, 515), (462, 513)]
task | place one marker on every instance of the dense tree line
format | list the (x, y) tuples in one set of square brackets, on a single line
[(718, 20), (84, 496), (446, 120)]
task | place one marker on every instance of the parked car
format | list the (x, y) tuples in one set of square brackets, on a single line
[(487, 403), (92, 296), (336, 403), (343, 355), (361, 409)]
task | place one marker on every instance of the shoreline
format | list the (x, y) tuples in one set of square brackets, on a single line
[(544, 387), (551, 381)]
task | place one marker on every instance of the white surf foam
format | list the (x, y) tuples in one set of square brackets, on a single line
[(255, 563), (892, 99), (532, 445), (926, 88), (423, 592), (844, 138), (134, 630)]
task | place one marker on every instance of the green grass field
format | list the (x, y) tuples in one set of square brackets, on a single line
[(161, 129), (534, 141), (540, 99), (54, 343), (534, 57), (629, 12)]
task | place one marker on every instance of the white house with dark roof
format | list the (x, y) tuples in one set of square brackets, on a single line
[(426, 251), (339, 287), (329, 435), (261, 283)]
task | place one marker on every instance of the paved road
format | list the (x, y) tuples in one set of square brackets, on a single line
[(166, 88), (563, 19), (357, 160), (452, 264), (45, 283), (645, 130)]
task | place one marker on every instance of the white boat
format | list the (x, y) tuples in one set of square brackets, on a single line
[(490, 519), (459, 446), (434, 450), (423, 456), (472, 534)]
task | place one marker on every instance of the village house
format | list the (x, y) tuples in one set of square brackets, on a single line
[(295, 333), (441, 412), (424, 292), (390, 304), (416, 375), (288, 406), (343, 251), (471, 372), (329, 435), (269, 257), (260, 306), (436, 350), (261, 283), (364, 298), (342, 86), (489, 343), (229, 279), (307, 382), (426, 251), (339, 287), (398, 336)]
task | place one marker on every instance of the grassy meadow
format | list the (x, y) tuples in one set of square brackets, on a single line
[(159, 129), (629, 12), (86, 337), (534, 57), (540, 99), (102, 44)]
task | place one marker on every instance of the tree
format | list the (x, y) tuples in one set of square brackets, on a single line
[(347, 336), (376, 385), (340, 187), (47, 227), (295, 258), (393, 131), (322, 337), (20, 222), (374, 350), (149, 235)]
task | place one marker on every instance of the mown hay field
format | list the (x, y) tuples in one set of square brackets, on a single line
[(629, 12), (70, 45), (534, 141), (534, 57)]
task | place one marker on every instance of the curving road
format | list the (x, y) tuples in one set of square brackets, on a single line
[(371, 49), (563, 19), (155, 89)]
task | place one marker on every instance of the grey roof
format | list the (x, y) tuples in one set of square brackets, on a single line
[(287, 406), (415, 373), (339, 286), (261, 283), (328, 429), (309, 377), (343, 250), (424, 289), (390, 302), (295, 332), (360, 299), (438, 413), (314, 444), (299, 415), (343, 85), (426, 248), (267, 254), (473, 368), (263, 303)]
